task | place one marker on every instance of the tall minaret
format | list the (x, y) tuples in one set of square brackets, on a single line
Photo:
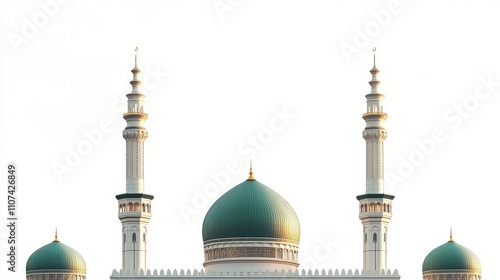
[(134, 206), (375, 206)]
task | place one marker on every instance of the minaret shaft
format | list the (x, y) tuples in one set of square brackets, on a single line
[(375, 206), (134, 206), (374, 135), (135, 134)]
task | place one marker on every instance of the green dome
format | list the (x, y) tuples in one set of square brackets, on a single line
[(451, 256), (249, 210), (56, 256)]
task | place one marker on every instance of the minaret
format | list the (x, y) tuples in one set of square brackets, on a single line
[(134, 206), (375, 206)]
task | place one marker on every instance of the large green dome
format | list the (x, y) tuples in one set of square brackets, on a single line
[(56, 257), (249, 210), (451, 256)]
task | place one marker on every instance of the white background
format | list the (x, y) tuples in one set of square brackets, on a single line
[(228, 72)]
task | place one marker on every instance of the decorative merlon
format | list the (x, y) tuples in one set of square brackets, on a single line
[(323, 274)]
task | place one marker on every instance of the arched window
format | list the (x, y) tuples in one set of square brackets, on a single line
[(144, 237), (124, 237), (385, 236), (134, 237), (143, 207), (379, 207), (366, 237), (130, 207), (374, 238), (136, 207)]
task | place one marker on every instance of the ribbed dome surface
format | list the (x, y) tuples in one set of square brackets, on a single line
[(56, 256), (251, 209), (451, 256)]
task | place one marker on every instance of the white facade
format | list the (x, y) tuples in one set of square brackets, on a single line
[(244, 274), (257, 254)]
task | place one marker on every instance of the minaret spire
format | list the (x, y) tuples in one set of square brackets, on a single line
[(55, 238), (451, 233), (374, 50), (135, 133), (375, 205), (374, 135), (136, 49), (134, 206)]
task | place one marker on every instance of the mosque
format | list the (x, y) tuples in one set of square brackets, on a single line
[(251, 231)]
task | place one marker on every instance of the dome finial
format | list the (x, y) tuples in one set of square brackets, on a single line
[(451, 233), (251, 178), (55, 238), (374, 50)]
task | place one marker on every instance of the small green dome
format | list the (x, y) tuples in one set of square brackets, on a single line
[(451, 256), (251, 209), (56, 257)]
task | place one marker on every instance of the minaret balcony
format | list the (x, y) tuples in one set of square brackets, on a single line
[(374, 116), (375, 215), (134, 215), (135, 116)]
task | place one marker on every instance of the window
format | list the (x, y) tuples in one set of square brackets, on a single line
[(134, 237), (366, 237), (374, 238)]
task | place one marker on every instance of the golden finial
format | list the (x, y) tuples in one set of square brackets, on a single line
[(56, 239), (451, 233), (251, 178)]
